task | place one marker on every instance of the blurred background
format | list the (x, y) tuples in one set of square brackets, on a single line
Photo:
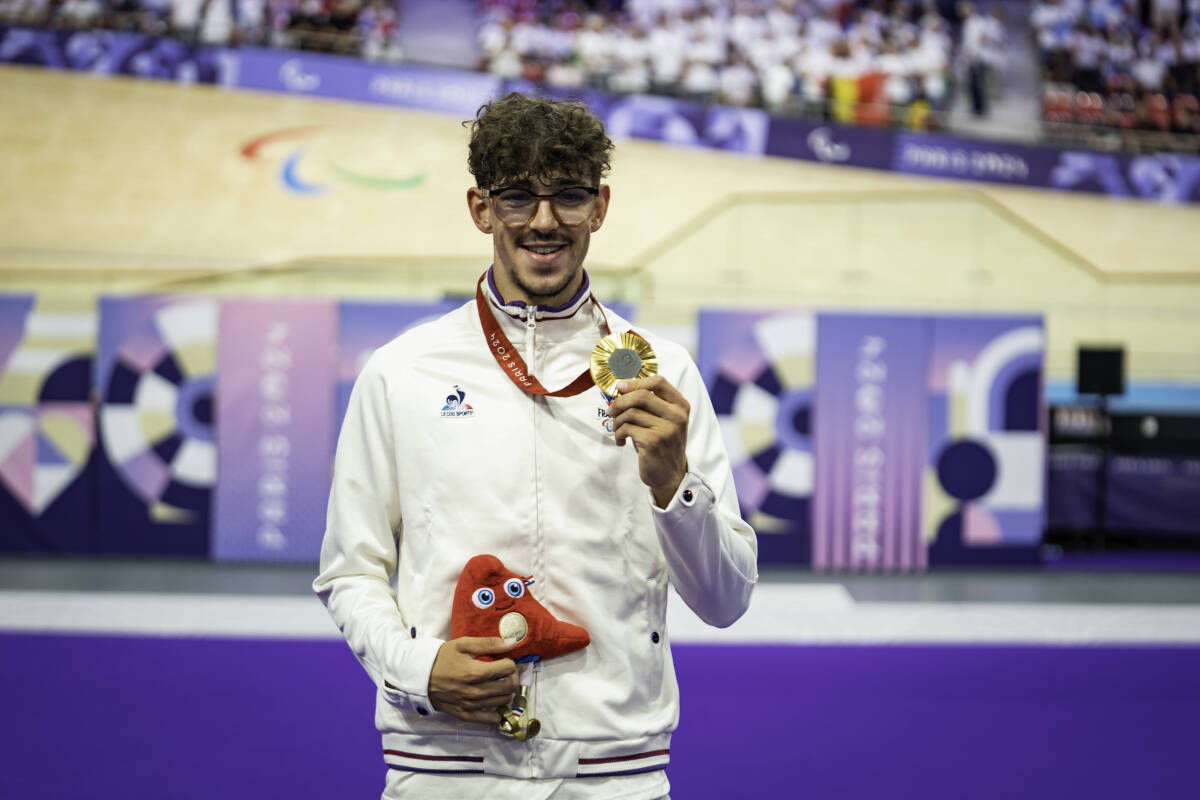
[(938, 263)]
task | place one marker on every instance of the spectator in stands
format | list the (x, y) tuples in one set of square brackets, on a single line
[(823, 30), (493, 37), (667, 45), (216, 21), (378, 30), (1087, 48), (739, 86), (564, 75), (777, 84), (505, 45), (79, 13), (899, 68), (900, 22), (1120, 51), (700, 81), (595, 49), (1164, 14), (1148, 70), (930, 54), (771, 53), (1140, 72), (974, 45), (632, 73), (846, 67), (784, 20), (995, 50), (1052, 24), (814, 66), (1189, 53)]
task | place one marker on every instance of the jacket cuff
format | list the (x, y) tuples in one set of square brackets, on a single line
[(691, 497), (408, 688)]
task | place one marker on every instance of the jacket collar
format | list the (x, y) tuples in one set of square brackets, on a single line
[(518, 310)]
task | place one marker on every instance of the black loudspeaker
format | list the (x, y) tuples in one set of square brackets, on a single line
[(1100, 370)]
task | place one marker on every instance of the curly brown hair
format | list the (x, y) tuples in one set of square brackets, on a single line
[(520, 138)]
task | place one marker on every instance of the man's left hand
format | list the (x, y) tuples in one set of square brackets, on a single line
[(654, 414)]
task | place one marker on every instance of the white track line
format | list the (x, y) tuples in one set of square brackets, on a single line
[(779, 614)]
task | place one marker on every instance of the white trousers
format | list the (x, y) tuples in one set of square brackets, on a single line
[(402, 785)]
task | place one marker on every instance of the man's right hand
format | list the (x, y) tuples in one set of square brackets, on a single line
[(470, 689)]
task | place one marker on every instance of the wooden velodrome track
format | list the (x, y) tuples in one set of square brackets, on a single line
[(120, 184)]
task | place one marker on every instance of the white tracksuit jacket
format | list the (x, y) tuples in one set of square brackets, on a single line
[(423, 481)]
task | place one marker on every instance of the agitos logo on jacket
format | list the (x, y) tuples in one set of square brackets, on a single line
[(305, 173)]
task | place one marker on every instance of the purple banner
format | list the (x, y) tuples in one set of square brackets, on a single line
[(830, 144), (948, 157), (677, 122), (411, 86), (987, 439), (869, 442), (275, 404), (1162, 177), (112, 53)]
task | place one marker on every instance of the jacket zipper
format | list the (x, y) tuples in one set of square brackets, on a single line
[(531, 365), (530, 327), (530, 331)]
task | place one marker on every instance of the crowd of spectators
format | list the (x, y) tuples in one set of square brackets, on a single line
[(1110, 65), (366, 28), (865, 61), (1123, 65), (877, 61)]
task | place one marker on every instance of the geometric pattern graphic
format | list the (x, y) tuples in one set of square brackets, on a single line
[(984, 481), (156, 413), (46, 424), (759, 369)]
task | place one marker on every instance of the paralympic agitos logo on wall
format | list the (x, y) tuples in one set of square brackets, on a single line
[(316, 159)]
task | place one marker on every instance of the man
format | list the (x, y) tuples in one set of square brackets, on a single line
[(482, 432)]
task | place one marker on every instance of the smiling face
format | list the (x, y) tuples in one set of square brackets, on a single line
[(538, 262)]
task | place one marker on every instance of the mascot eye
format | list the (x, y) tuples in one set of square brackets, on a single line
[(483, 598), (514, 587)]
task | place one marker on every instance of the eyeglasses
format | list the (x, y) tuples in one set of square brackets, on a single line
[(515, 206)]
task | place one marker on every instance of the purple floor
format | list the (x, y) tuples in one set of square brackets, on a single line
[(130, 718)]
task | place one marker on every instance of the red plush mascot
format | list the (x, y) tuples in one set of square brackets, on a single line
[(492, 600)]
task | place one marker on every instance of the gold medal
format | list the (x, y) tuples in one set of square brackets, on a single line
[(621, 357), (516, 718), (513, 626)]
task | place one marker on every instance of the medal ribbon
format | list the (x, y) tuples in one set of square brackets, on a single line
[(510, 360)]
